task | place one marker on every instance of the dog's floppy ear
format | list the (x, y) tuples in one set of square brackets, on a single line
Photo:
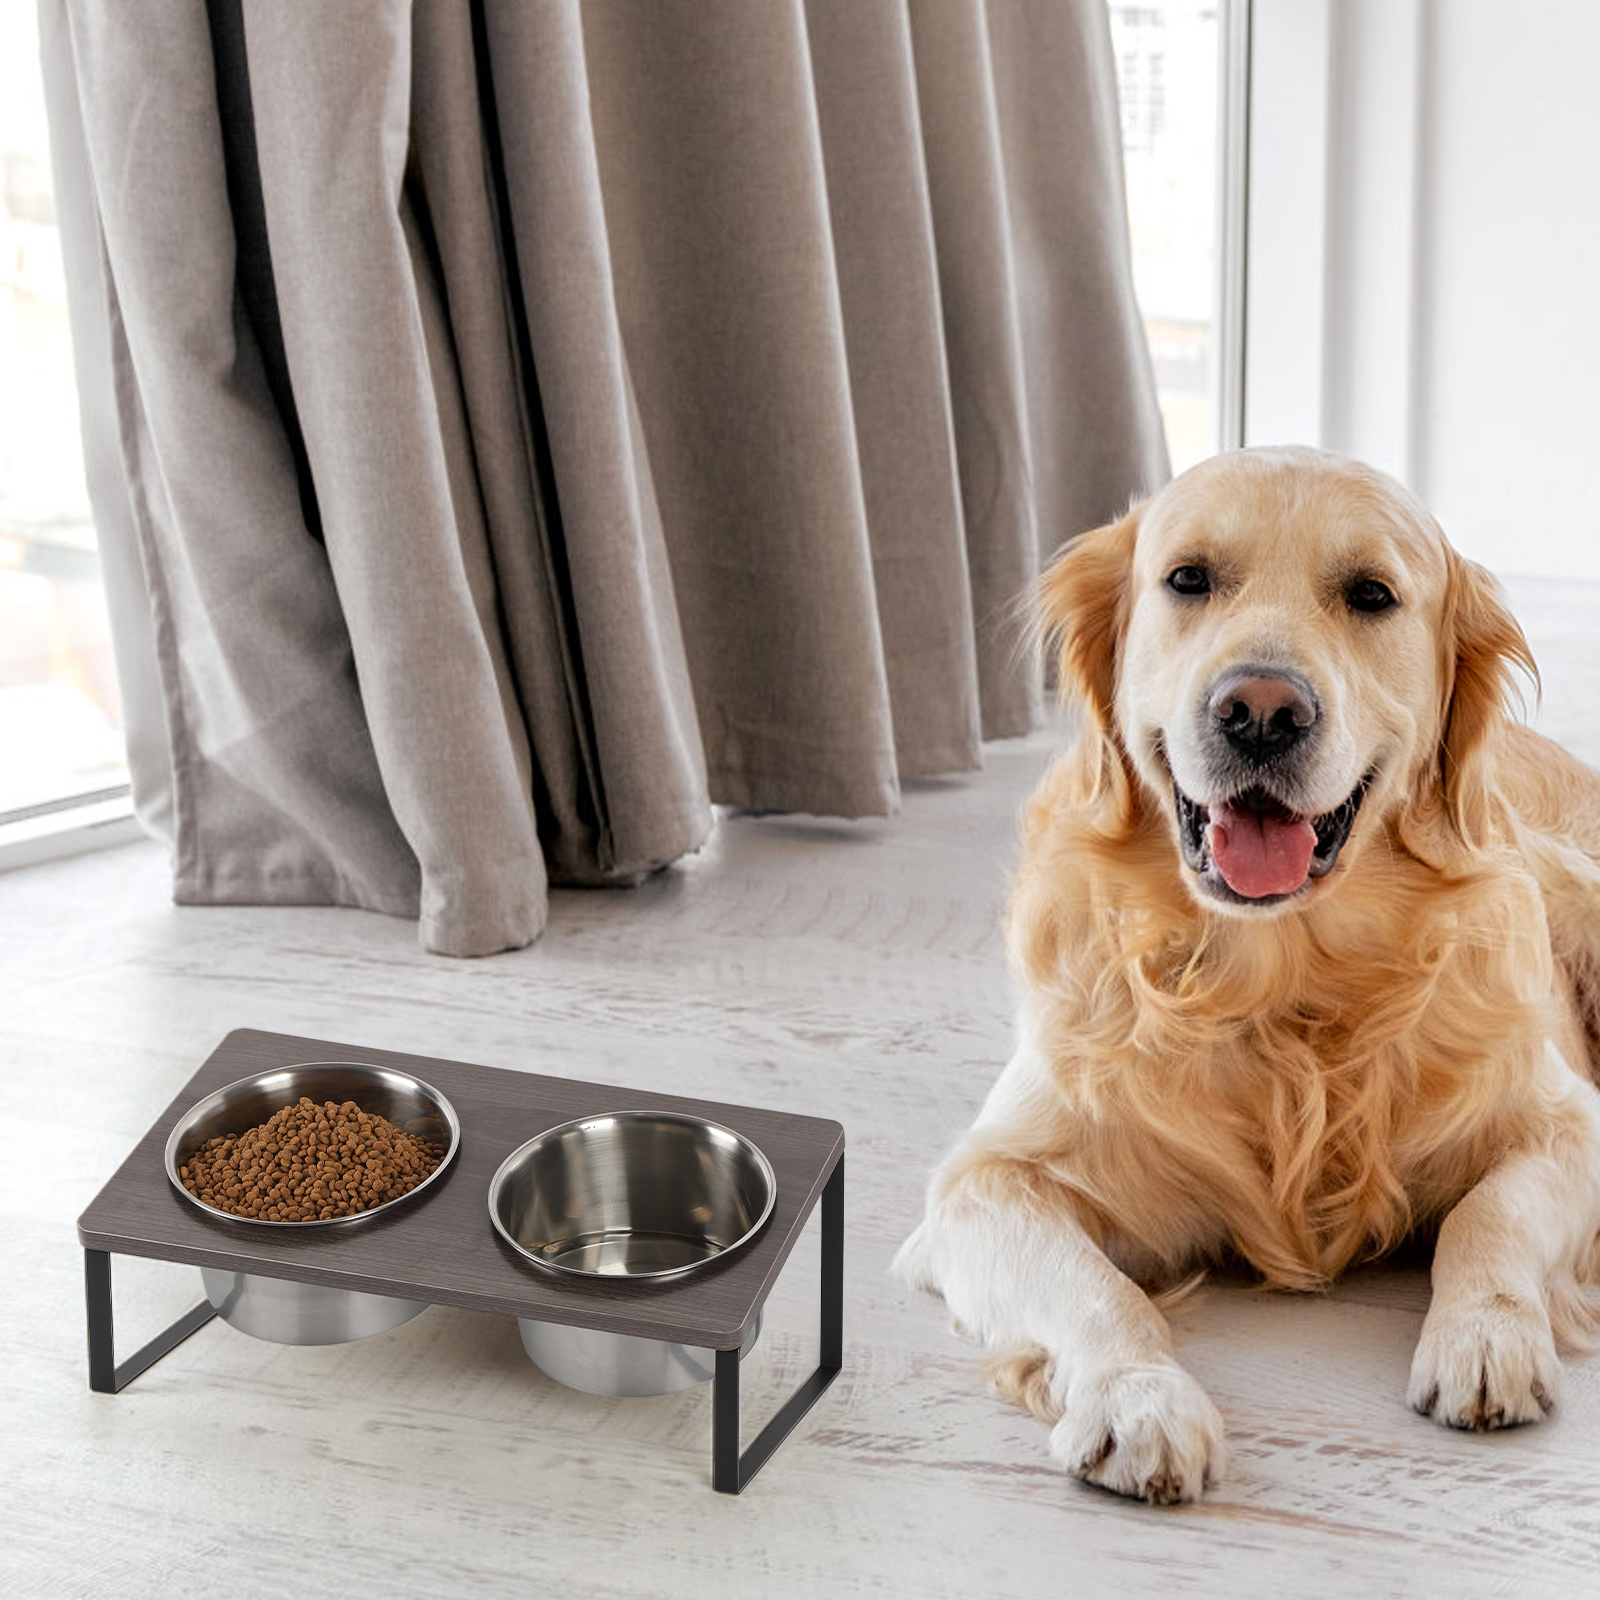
[(1081, 603), (1483, 643)]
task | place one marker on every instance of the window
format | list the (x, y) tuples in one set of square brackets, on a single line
[(60, 720), (1168, 55)]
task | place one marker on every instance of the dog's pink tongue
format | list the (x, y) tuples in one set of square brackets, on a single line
[(1260, 854)]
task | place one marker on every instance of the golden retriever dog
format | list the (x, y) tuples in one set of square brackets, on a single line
[(1307, 937)]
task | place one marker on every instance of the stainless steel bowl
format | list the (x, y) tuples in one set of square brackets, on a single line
[(302, 1313), (631, 1194), (276, 1308), (618, 1363)]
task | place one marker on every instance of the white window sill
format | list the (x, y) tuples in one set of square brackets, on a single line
[(91, 825)]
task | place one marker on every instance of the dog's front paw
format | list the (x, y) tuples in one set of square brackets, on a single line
[(1488, 1364), (1146, 1430)]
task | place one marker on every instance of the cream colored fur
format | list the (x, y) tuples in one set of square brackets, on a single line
[(1408, 1043)]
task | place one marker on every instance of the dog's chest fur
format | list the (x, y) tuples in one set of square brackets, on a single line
[(1302, 1094)]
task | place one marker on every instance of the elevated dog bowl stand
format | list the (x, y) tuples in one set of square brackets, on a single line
[(444, 1250)]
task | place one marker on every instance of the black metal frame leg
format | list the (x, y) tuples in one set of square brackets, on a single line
[(731, 1471), (105, 1376)]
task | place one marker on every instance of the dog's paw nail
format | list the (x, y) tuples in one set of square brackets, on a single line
[(1097, 1457), (1164, 1489)]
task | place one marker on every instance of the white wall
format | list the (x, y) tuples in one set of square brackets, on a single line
[(1424, 284)]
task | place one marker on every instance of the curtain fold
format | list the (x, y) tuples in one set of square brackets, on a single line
[(537, 422)]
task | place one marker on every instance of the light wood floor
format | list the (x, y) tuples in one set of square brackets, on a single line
[(852, 971)]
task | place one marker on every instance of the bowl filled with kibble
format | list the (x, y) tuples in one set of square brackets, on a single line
[(317, 1145)]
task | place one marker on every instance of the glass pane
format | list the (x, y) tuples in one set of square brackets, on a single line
[(1168, 76), (60, 719)]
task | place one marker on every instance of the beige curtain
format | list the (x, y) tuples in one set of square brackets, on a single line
[(520, 425)]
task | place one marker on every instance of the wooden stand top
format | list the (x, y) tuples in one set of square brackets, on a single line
[(442, 1247)]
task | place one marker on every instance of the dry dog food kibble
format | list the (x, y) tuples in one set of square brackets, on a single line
[(310, 1163)]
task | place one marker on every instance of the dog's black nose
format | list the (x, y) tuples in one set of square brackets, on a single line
[(1263, 712)]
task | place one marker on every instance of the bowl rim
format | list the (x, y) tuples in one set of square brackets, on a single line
[(688, 1117), (200, 1107)]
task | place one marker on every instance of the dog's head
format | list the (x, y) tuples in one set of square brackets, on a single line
[(1285, 651)]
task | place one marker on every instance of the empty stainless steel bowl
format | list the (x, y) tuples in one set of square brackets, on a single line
[(277, 1308), (631, 1194)]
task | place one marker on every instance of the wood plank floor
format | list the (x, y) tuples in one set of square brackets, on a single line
[(845, 970)]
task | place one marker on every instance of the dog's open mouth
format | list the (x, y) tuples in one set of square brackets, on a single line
[(1254, 848)]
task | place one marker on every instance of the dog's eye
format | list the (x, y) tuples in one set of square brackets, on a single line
[(1189, 580), (1367, 594)]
